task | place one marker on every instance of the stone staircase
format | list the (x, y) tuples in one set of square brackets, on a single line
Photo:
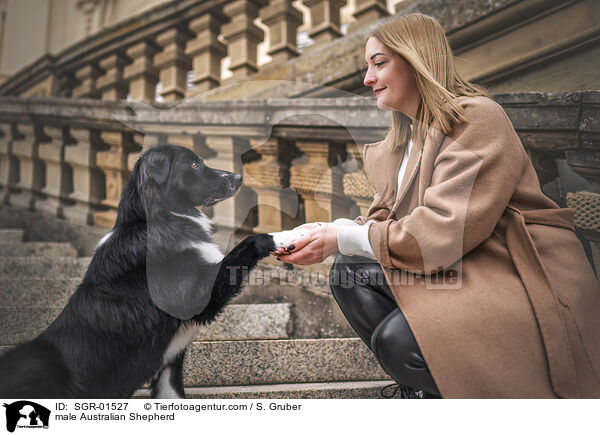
[(263, 346)]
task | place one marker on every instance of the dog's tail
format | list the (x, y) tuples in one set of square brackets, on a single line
[(34, 370)]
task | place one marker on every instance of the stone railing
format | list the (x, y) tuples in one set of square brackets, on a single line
[(175, 50), (300, 157), (165, 44)]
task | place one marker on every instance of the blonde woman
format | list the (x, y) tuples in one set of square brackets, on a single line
[(464, 279)]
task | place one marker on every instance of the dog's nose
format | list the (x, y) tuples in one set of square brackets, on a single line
[(237, 179), (234, 181)]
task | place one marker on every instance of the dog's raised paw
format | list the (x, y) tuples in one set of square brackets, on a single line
[(283, 239), (264, 244)]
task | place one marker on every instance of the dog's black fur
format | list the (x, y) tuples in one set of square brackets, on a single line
[(148, 282)]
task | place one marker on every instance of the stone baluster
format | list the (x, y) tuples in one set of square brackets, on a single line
[(585, 161), (25, 148), (113, 162), (87, 77), (88, 179), (269, 177), (319, 181), (5, 156), (9, 164), (243, 36), (66, 84), (283, 20), (206, 51), (59, 175), (325, 20), (229, 215), (141, 73), (367, 12), (172, 63), (356, 184), (586, 203), (112, 86)]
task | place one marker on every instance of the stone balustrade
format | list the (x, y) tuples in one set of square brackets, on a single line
[(175, 50), (301, 158), (164, 45)]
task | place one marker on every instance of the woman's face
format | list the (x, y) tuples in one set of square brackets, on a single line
[(391, 78)]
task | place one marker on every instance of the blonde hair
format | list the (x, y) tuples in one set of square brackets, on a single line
[(420, 40)]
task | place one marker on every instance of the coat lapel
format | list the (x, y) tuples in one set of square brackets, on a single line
[(412, 168)]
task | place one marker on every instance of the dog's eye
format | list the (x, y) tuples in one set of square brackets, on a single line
[(195, 165)]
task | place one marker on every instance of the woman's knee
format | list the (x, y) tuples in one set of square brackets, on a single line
[(396, 349)]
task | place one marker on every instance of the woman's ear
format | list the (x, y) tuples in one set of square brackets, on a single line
[(157, 167)]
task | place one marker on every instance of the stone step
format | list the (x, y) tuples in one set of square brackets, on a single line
[(287, 361), (321, 390), (316, 314), (28, 267), (36, 249), (210, 363), (237, 322), (39, 292), (11, 235)]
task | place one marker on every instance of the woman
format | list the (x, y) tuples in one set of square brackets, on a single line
[(468, 281)]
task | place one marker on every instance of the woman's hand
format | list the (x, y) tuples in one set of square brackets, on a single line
[(314, 247), (306, 226)]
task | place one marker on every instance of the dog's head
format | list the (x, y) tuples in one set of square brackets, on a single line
[(175, 178)]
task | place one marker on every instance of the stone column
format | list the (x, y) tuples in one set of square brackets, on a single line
[(367, 12), (243, 36), (88, 179), (9, 164), (206, 51), (112, 86), (269, 177), (87, 77), (283, 21), (172, 63), (113, 162), (357, 186), (59, 175), (31, 168), (141, 74), (325, 20), (229, 215), (318, 182)]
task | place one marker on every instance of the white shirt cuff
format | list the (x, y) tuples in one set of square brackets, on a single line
[(354, 240), (341, 222)]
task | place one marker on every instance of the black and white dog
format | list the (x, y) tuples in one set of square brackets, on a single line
[(151, 280)]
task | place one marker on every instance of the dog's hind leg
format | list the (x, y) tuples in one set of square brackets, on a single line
[(168, 384)]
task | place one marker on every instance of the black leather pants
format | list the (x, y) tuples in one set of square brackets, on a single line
[(361, 290)]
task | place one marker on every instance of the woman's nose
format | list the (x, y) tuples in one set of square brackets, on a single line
[(369, 78)]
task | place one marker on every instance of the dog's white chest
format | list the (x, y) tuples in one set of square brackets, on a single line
[(180, 340)]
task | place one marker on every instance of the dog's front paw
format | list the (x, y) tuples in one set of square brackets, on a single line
[(283, 239), (263, 243)]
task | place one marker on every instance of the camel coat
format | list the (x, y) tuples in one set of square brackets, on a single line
[(487, 270)]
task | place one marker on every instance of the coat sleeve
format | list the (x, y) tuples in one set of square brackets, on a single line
[(378, 211), (475, 172)]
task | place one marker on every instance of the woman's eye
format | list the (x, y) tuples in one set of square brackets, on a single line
[(378, 64), (195, 165)]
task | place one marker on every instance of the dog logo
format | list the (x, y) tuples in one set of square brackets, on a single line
[(26, 414)]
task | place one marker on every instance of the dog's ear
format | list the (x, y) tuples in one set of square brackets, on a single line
[(157, 167)]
